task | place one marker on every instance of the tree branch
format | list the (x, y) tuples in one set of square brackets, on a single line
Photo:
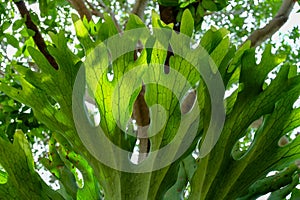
[(94, 10), (139, 8), (81, 9), (260, 35), (38, 39), (142, 117)]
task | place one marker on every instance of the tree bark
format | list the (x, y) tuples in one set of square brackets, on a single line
[(38, 39), (139, 8), (261, 35), (81, 9), (142, 117)]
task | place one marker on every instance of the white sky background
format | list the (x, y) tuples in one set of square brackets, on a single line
[(294, 20)]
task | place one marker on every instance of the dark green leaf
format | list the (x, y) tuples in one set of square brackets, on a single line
[(5, 25), (17, 24), (295, 194), (200, 11), (43, 5), (209, 5), (12, 40)]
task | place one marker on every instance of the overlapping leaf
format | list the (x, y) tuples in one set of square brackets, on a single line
[(22, 182)]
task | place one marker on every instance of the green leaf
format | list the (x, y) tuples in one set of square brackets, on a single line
[(283, 192), (43, 5), (17, 160), (64, 164), (5, 25), (18, 24), (272, 183), (200, 10), (237, 58), (157, 23), (209, 5), (252, 75), (219, 53), (12, 40), (212, 38), (187, 23), (108, 28), (2, 9), (176, 192), (185, 173), (185, 3), (24, 32), (247, 104), (49, 92), (136, 26), (134, 22), (295, 194), (35, 19), (82, 33)]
